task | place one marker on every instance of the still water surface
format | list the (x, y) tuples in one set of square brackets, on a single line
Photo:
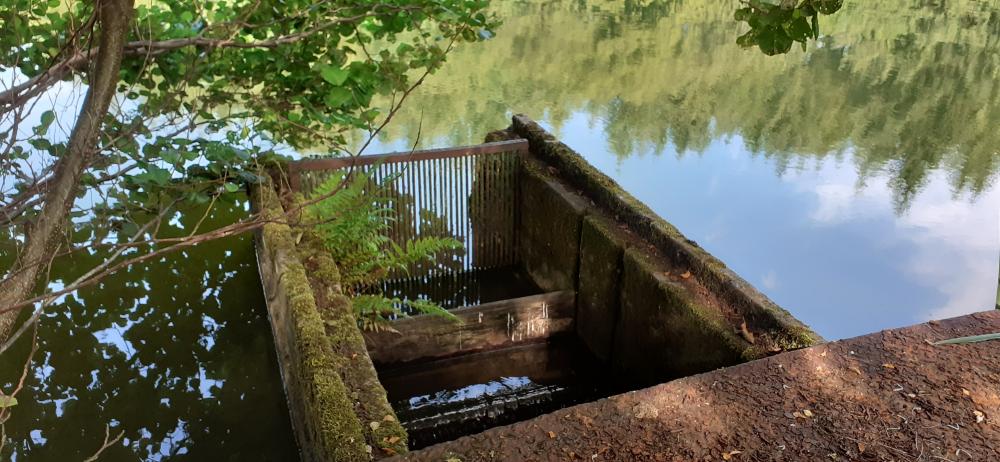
[(176, 353), (854, 183)]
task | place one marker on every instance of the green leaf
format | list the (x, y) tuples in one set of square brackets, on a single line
[(969, 339), (799, 30), (47, 118), (232, 187), (338, 97), (334, 75), (7, 401), (774, 41)]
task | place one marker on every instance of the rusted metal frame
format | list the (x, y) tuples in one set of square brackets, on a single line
[(334, 163)]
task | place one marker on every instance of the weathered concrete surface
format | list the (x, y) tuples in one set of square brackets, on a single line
[(663, 331), (888, 396), (598, 297), (769, 323), (549, 238), (320, 408)]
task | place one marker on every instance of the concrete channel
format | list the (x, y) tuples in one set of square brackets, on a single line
[(622, 301)]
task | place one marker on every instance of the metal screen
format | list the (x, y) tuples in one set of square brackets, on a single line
[(467, 193)]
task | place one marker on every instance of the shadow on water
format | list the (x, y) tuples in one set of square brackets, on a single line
[(177, 353)]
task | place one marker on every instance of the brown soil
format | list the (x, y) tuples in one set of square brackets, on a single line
[(888, 396)]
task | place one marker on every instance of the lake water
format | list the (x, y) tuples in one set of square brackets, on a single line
[(176, 353), (854, 183)]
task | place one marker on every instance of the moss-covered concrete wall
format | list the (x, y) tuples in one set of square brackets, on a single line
[(381, 428), (599, 294), (649, 301), (322, 414), (745, 305), (549, 231)]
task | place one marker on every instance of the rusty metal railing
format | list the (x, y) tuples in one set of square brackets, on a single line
[(468, 193)]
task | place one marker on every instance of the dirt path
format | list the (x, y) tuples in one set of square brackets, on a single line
[(888, 396)]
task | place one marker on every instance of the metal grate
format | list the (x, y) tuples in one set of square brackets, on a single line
[(467, 193)]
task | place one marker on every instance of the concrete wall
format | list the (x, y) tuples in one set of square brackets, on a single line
[(338, 408), (650, 301), (381, 428), (321, 412)]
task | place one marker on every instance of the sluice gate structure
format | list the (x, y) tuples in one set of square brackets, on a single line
[(607, 297)]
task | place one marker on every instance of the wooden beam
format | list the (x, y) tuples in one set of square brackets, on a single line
[(482, 327)]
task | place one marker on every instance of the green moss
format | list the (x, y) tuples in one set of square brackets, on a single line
[(331, 430), (348, 349)]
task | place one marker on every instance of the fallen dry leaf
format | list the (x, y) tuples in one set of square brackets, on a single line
[(888, 366), (453, 459), (374, 425), (392, 439), (389, 451), (729, 455), (807, 413), (980, 417), (389, 418), (966, 392), (686, 274), (799, 415), (861, 447), (552, 434)]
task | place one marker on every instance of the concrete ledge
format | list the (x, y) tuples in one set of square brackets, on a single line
[(887, 396), (322, 413), (761, 315)]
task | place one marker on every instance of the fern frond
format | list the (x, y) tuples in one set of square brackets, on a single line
[(354, 223)]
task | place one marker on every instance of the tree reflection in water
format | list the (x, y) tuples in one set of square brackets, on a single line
[(899, 87)]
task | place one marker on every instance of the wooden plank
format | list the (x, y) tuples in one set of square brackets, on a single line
[(333, 163), (483, 327)]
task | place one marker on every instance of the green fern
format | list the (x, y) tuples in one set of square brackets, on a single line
[(354, 222)]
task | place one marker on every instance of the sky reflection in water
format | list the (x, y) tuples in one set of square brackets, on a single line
[(853, 183)]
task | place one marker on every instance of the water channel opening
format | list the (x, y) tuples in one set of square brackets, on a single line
[(445, 399)]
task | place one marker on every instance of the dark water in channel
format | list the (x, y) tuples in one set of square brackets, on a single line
[(445, 399), (177, 353)]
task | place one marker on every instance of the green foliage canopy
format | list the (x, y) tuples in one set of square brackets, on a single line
[(206, 87), (207, 91)]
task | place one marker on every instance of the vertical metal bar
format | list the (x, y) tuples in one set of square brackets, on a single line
[(466, 209), (491, 186), (509, 238)]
